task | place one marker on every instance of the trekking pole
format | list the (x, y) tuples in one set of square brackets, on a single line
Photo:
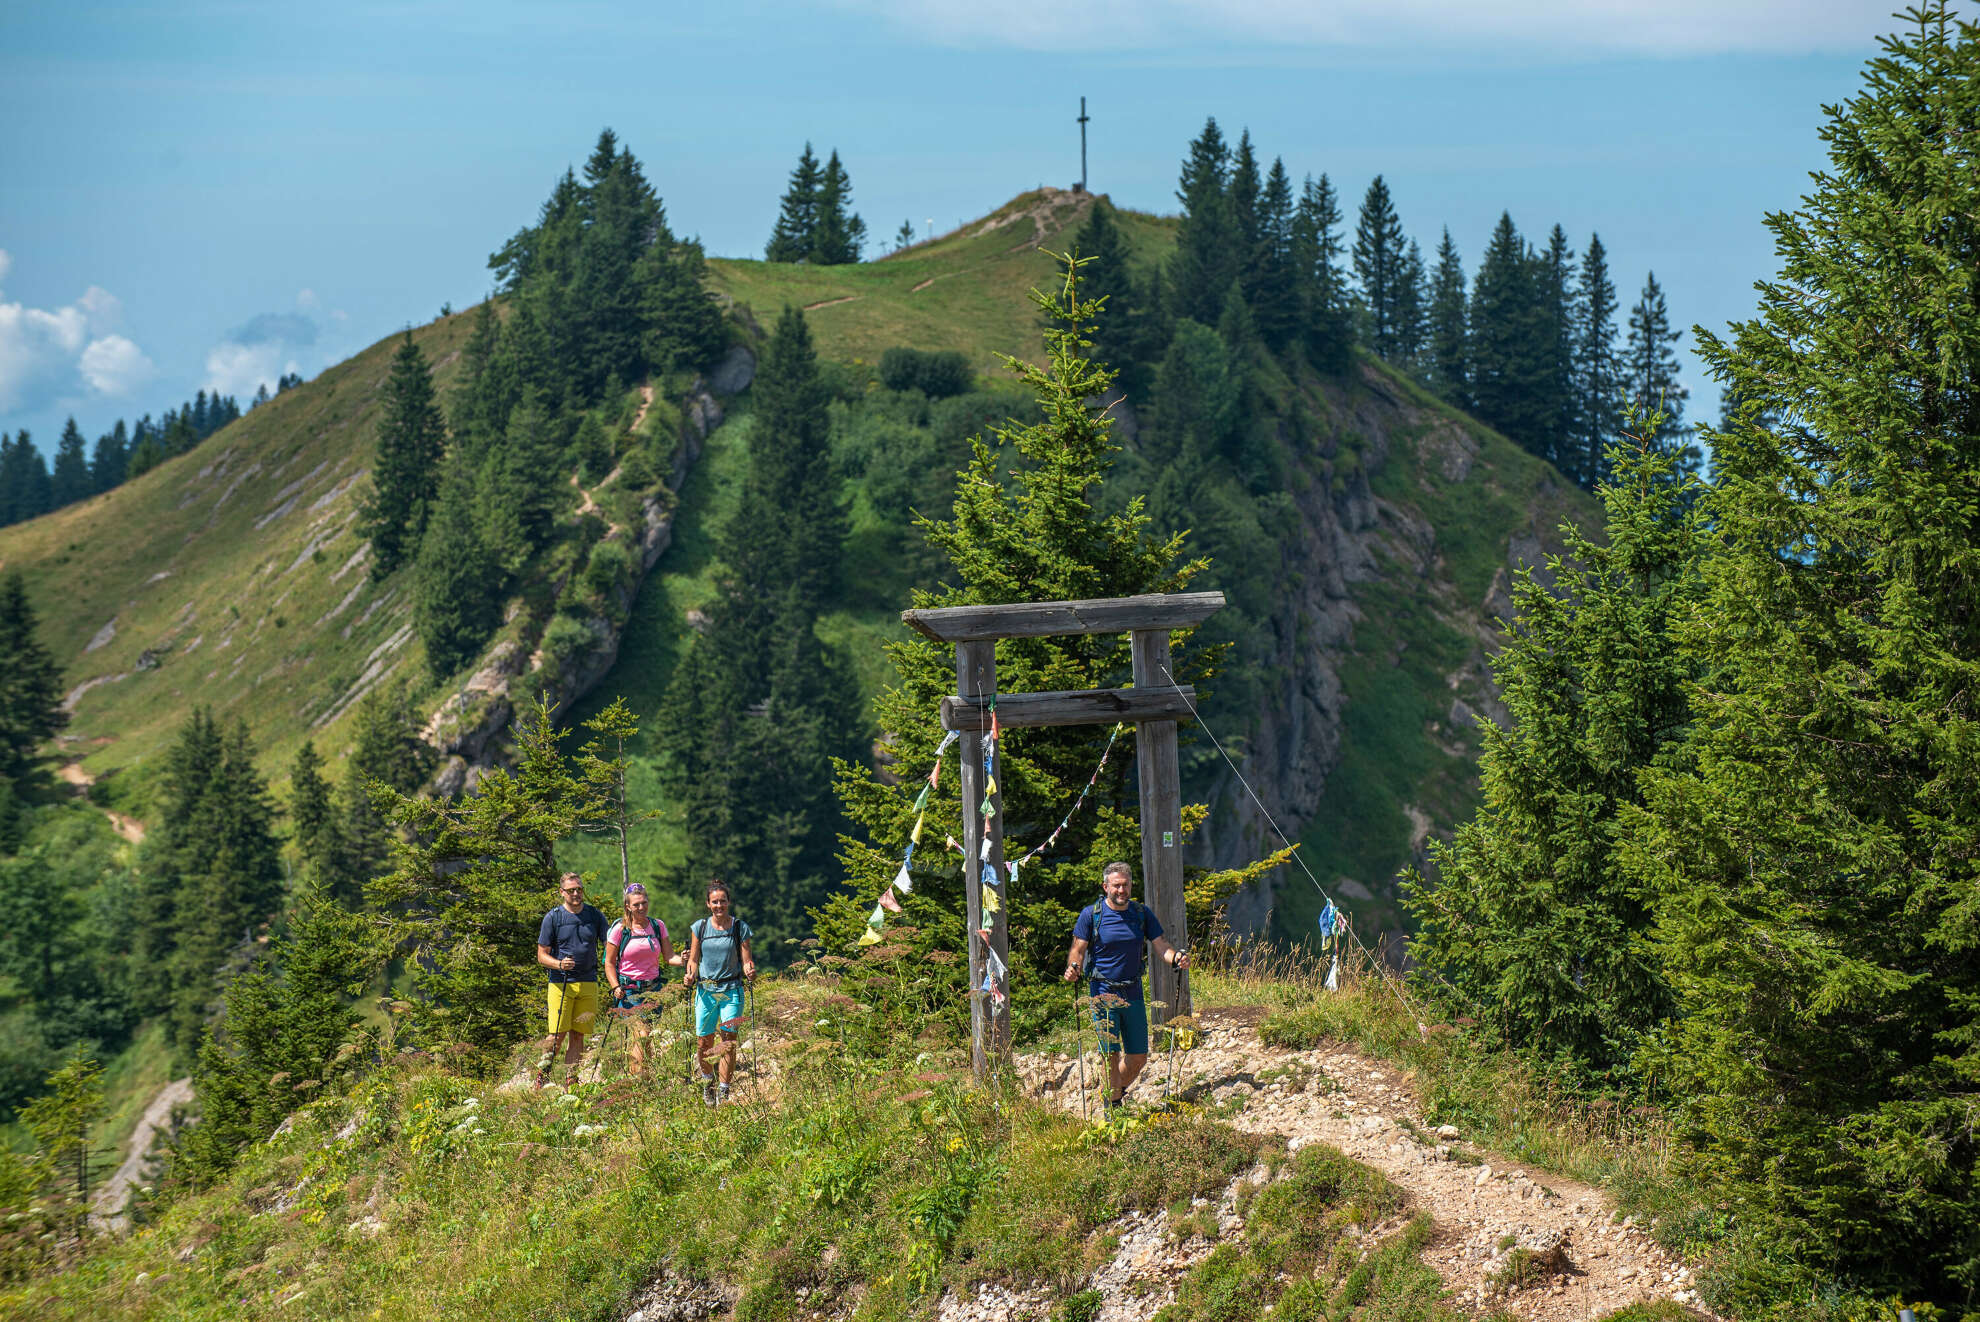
[(755, 1057), (1079, 1038), (693, 1047)]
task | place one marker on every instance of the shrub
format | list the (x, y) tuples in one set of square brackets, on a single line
[(609, 566), (937, 374)]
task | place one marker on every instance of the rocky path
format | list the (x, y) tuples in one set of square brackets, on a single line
[(1580, 1260), (108, 1204), (129, 828)]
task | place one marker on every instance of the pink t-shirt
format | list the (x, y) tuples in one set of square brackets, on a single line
[(639, 954)]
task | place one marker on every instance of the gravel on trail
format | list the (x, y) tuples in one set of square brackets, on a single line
[(1590, 1261)]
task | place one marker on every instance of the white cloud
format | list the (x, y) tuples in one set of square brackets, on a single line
[(114, 365), (103, 309), (306, 299), (241, 369), (48, 355), (1545, 27)]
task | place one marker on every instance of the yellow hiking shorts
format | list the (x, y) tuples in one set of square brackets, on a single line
[(573, 1007)]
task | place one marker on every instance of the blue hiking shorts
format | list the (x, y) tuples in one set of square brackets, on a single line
[(722, 1007), (1122, 1028)]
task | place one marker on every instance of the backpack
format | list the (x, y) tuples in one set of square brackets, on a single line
[(1136, 920), (732, 966), (627, 936)]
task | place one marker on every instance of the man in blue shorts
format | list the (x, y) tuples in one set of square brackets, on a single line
[(1114, 929)]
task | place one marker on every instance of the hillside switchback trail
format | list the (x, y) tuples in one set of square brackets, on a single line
[(1364, 1107)]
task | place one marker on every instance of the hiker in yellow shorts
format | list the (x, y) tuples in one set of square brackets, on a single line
[(567, 944)]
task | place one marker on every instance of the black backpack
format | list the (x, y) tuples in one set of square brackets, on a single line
[(1136, 916)]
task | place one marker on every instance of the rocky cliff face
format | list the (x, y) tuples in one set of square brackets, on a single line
[(1412, 523), (470, 727)]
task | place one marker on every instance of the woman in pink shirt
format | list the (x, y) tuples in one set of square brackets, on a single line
[(636, 951)]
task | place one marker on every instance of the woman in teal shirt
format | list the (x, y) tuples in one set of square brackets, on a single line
[(719, 967)]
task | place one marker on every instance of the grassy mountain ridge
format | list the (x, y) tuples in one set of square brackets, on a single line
[(233, 576)]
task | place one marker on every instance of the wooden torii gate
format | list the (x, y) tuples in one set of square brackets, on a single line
[(1154, 704)]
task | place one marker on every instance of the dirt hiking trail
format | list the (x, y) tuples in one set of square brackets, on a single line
[(1589, 1262), (129, 828), (107, 1206)]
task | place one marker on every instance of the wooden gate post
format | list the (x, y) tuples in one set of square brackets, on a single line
[(1154, 704), (990, 1023), (1161, 825)]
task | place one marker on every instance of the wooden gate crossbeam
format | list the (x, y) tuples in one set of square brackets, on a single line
[(1018, 711), (1154, 704)]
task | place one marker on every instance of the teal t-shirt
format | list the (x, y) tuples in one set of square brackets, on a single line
[(721, 952)]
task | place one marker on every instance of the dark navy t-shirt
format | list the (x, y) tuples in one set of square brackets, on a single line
[(578, 935), (1117, 951)]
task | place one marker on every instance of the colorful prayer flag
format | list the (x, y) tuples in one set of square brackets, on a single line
[(991, 904), (869, 938), (877, 917), (921, 799), (903, 882), (991, 788), (888, 902), (989, 809), (915, 836), (1334, 974)]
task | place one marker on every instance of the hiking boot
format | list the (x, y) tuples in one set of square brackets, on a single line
[(722, 1093), (707, 1092)]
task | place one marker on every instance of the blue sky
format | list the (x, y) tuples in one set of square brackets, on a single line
[(209, 194)]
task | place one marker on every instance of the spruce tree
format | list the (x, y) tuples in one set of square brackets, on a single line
[(1119, 329), (838, 236), (1598, 372), (222, 848), (522, 482), (1554, 291), (24, 487), (108, 459), (1247, 209), (313, 828), (170, 850), (484, 389), (1378, 264), (70, 481), (1532, 919), (389, 751), (1814, 859), (30, 682), (1207, 255), (1449, 364), (1412, 326), (286, 1030), (1507, 340), (405, 471), (1326, 329), (457, 580), (1650, 372), (904, 236), (147, 452), (474, 877), (797, 214), (1275, 287)]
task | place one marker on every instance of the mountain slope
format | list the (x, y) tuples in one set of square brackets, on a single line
[(232, 576), (1363, 656)]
